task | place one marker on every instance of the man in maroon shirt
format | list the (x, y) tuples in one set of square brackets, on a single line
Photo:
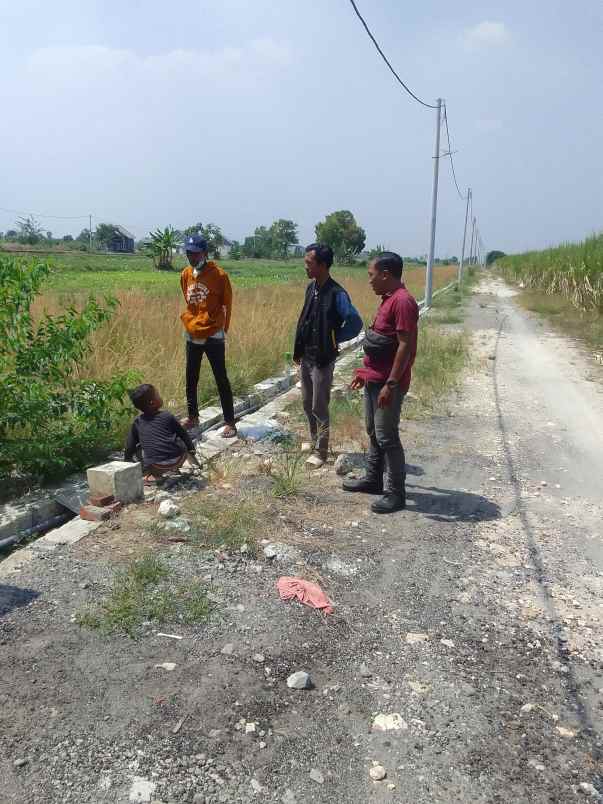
[(390, 349)]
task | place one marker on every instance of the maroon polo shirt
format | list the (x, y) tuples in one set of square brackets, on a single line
[(398, 312)]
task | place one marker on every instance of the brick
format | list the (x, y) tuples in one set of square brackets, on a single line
[(120, 479), (101, 501), (98, 513)]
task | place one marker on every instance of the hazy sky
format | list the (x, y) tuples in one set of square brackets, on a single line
[(147, 113)]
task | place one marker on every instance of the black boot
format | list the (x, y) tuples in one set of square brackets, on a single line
[(389, 503), (366, 484)]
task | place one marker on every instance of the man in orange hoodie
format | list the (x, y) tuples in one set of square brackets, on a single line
[(208, 296)]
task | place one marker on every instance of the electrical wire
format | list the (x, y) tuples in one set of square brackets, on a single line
[(40, 215), (386, 60), (456, 184)]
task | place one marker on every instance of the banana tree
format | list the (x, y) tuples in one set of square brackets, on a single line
[(163, 243)]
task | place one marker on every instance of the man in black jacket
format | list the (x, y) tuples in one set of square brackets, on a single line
[(327, 318)]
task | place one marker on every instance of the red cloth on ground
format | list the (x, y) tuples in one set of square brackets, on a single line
[(308, 593)]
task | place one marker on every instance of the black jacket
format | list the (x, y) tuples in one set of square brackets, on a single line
[(318, 324)]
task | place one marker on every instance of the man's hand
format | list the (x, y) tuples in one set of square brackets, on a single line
[(357, 383), (385, 397)]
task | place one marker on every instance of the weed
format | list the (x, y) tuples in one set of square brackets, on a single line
[(227, 522), (286, 473), (140, 593)]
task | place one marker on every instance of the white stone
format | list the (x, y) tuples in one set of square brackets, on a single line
[(377, 773), (141, 789), (448, 642), (589, 789), (228, 649), (168, 509), (317, 776), (415, 638), (121, 479), (299, 681), (166, 666), (393, 722)]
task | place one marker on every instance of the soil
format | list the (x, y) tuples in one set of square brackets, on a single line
[(475, 615)]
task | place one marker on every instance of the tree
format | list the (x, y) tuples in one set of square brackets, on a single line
[(374, 252), (67, 238), (283, 233), (30, 231), (235, 250), (163, 243), (51, 420), (215, 239), (105, 232), (84, 236), (212, 233), (492, 256), (11, 234), (340, 231)]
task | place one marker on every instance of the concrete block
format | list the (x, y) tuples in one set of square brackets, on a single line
[(209, 416), (70, 533), (121, 479)]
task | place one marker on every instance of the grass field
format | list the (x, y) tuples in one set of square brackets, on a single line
[(565, 285), (572, 270), (146, 333)]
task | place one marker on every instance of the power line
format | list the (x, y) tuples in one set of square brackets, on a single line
[(461, 196), (386, 60), (40, 215)]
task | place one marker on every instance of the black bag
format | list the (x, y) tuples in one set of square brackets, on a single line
[(377, 345)]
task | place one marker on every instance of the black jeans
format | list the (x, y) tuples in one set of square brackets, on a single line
[(215, 351)]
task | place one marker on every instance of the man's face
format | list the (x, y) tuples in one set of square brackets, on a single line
[(312, 265), (377, 279), (196, 258)]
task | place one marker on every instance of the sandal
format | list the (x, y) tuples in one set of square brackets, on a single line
[(229, 431)]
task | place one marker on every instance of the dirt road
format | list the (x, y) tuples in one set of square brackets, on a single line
[(475, 617)]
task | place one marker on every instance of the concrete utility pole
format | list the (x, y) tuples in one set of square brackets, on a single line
[(471, 253), (90, 232), (462, 262), (434, 206)]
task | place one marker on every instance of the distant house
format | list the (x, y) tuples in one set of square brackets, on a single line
[(122, 241)]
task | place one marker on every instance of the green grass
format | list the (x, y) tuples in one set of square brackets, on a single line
[(572, 270), (225, 523), (144, 592), (586, 325), (286, 474), (102, 274)]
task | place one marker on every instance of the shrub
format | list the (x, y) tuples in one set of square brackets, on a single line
[(51, 420)]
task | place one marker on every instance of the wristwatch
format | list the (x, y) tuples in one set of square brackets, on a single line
[(391, 383)]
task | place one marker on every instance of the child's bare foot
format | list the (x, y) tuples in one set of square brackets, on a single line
[(229, 431), (150, 480), (190, 422)]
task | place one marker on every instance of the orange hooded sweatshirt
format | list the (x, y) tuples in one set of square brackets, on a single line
[(208, 300)]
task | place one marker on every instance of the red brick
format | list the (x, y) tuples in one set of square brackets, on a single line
[(98, 513), (101, 502)]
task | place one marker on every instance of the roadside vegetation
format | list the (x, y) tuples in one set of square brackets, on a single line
[(573, 271), (146, 591), (565, 285)]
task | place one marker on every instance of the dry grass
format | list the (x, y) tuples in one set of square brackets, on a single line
[(146, 334)]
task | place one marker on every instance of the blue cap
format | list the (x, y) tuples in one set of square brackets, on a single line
[(195, 243)]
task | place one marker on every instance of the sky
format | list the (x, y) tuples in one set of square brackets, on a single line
[(148, 114)]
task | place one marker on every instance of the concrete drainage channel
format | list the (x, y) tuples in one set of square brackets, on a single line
[(56, 512)]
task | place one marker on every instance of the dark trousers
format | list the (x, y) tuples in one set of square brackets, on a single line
[(316, 385), (216, 353), (386, 454)]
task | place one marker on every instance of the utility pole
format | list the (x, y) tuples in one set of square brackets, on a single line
[(460, 279), (471, 253), (90, 232), (434, 206)]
